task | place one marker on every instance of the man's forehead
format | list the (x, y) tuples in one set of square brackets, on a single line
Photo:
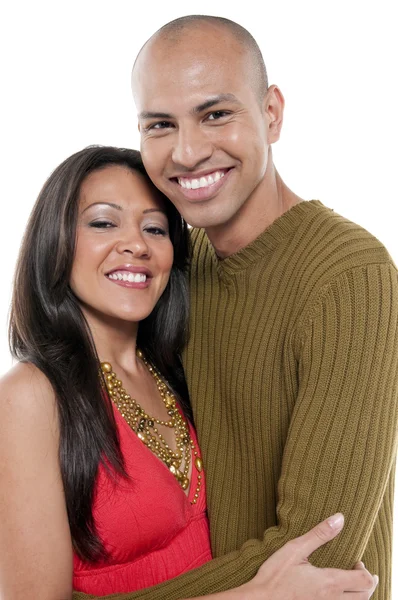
[(195, 67), (192, 76)]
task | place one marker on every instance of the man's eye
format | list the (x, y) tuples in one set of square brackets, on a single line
[(159, 125), (101, 224), (217, 114)]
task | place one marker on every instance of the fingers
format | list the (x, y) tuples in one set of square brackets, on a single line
[(357, 595), (360, 566), (358, 580), (362, 595), (319, 535)]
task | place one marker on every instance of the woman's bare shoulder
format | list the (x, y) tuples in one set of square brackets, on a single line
[(33, 516), (26, 392)]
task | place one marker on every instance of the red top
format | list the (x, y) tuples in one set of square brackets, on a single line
[(147, 524)]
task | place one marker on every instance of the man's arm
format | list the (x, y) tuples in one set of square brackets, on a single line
[(288, 575), (343, 435), (342, 438)]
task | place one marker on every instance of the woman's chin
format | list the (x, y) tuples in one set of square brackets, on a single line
[(114, 318)]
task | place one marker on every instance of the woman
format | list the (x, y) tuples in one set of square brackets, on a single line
[(97, 408)]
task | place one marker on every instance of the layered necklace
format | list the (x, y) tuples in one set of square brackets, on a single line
[(146, 427)]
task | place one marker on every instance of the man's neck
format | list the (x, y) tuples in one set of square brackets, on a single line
[(270, 200)]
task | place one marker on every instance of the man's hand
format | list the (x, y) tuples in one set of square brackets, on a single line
[(288, 575)]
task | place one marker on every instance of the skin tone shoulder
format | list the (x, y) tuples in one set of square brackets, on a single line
[(209, 149), (32, 491)]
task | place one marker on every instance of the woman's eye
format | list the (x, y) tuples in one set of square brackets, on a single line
[(101, 224), (156, 230)]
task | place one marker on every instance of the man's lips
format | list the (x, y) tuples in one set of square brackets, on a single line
[(202, 185), (200, 180)]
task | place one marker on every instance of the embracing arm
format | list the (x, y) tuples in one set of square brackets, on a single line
[(35, 544), (287, 575), (342, 439)]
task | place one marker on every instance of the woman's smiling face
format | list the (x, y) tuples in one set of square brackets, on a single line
[(123, 254)]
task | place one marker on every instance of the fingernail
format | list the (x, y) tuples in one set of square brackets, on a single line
[(376, 578), (336, 521), (362, 564)]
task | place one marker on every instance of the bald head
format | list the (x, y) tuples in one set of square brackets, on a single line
[(177, 35), (206, 117)]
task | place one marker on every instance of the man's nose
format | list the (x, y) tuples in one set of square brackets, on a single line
[(192, 147)]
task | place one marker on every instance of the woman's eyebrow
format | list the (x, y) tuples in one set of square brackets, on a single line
[(112, 204), (118, 207)]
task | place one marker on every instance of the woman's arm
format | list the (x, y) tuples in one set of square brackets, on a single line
[(35, 541)]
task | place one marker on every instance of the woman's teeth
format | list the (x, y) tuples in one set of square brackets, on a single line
[(194, 184), (131, 277)]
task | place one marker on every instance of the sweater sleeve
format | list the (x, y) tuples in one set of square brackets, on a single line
[(342, 439)]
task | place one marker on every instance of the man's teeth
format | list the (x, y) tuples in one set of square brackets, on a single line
[(194, 184), (131, 277)]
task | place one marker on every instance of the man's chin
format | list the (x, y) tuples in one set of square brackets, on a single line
[(207, 223)]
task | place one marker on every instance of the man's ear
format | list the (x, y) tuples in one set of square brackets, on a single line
[(274, 104)]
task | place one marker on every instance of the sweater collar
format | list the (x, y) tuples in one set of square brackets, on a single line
[(267, 241)]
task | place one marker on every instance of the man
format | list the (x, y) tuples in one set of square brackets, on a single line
[(292, 364)]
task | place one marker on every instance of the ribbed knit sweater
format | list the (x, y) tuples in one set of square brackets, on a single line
[(292, 368)]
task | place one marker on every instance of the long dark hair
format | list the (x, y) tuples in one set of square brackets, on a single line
[(48, 329)]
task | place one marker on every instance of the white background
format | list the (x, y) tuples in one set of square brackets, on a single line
[(65, 84)]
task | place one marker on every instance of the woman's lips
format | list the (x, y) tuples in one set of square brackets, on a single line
[(130, 277)]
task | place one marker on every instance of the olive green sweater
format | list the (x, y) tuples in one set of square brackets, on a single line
[(292, 368)]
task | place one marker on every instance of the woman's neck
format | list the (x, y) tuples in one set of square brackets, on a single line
[(115, 341)]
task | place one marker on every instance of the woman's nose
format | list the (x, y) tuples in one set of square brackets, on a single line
[(134, 244)]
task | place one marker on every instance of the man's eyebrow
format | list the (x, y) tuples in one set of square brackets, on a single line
[(112, 204), (216, 100), (197, 109), (154, 115)]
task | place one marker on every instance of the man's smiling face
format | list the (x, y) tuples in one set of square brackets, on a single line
[(204, 128)]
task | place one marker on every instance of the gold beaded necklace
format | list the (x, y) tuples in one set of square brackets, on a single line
[(145, 427)]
